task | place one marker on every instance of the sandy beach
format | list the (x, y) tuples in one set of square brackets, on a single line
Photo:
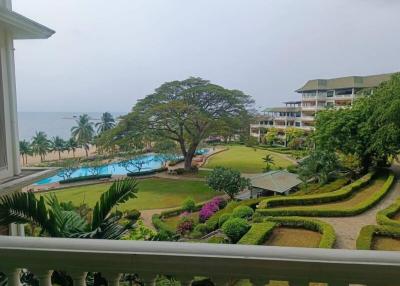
[(53, 156)]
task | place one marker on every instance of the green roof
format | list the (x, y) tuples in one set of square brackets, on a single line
[(283, 109), (277, 181), (346, 82)]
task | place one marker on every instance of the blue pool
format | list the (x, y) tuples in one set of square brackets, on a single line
[(153, 161)]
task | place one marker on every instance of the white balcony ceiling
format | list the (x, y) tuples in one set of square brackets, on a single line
[(21, 27)]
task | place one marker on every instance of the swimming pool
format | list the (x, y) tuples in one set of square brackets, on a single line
[(152, 162)]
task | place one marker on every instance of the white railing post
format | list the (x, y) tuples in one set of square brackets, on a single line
[(79, 278), (44, 276), (112, 278), (13, 276)]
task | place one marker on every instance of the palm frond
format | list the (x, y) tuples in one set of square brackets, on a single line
[(25, 208), (119, 192), (65, 221), (108, 229)]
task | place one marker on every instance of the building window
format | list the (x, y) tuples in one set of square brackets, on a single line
[(297, 124), (330, 93)]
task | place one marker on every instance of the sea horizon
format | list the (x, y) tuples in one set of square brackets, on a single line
[(53, 123)]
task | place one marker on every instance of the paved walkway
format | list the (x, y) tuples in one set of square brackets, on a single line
[(348, 228)]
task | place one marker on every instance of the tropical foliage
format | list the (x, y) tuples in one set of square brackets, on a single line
[(58, 145), (370, 130), (83, 132), (25, 149), (107, 122), (57, 219), (41, 145)]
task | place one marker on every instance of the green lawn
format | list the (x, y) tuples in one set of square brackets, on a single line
[(174, 220), (246, 159), (153, 193)]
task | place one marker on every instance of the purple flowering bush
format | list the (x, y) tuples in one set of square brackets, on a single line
[(186, 224), (211, 208)]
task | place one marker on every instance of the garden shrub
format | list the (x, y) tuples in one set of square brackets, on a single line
[(212, 222), (385, 216), (208, 210), (223, 218), (328, 236), (258, 233), (189, 205), (243, 212), (201, 228), (235, 228), (338, 195), (185, 225), (334, 212), (146, 172), (133, 215), (292, 169), (366, 237)]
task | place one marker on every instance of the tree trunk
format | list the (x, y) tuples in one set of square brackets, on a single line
[(189, 156), (87, 154), (59, 155)]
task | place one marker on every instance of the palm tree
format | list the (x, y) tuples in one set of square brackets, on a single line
[(58, 145), (40, 145), (71, 145), (25, 149), (58, 219), (269, 160), (83, 132), (107, 122)]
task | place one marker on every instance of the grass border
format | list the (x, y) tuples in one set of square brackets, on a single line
[(338, 195), (385, 216), (259, 232), (357, 209), (366, 236)]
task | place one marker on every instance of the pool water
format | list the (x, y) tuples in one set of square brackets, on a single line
[(152, 162)]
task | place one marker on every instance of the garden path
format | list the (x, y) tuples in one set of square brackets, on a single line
[(348, 228)]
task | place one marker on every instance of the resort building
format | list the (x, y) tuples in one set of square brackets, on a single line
[(316, 94)]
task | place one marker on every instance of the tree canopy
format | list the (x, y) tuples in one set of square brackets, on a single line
[(185, 112), (369, 130)]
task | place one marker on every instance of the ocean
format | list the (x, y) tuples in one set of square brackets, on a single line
[(52, 123)]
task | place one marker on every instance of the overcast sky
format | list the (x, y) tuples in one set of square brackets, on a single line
[(107, 54)]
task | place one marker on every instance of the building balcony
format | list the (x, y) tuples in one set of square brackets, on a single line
[(27, 177), (313, 107), (257, 125), (223, 264), (307, 118)]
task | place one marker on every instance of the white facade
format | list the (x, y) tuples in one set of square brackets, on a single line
[(12, 26)]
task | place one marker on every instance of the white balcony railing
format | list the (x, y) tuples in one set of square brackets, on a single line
[(221, 263), (307, 118)]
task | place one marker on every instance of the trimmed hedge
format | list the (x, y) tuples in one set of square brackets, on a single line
[(335, 212), (212, 222), (258, 233), (385, 216), (85, 178), (160, 225), (338, 195), (366, 237), (328, 236), (243, 212), (146, 173), (235, 228)]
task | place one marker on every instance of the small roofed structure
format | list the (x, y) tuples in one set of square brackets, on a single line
[(278, 182)]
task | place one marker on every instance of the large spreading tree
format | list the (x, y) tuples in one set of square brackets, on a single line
[(185, 112)]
